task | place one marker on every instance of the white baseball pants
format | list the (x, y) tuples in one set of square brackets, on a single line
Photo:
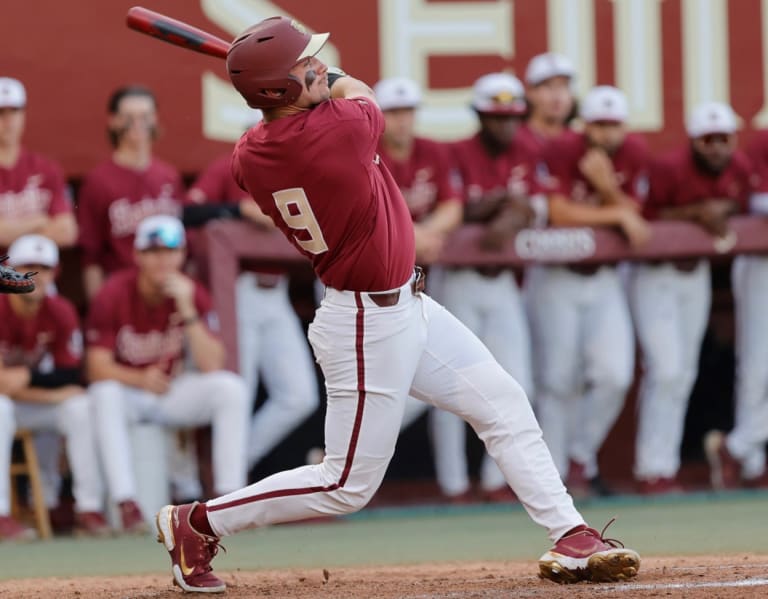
[(72, 419), (584, 358), (272, 344), (492, 308), (195, 399), (372, 358), (671, 310), (750, 289)]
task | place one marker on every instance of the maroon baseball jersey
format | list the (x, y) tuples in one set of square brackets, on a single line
[(757, 153), (50, 339), (424, 178), (218, 184), (114, 200), (513, 170), (318, 176), (141, 334), (534, 142), (33, 186), (675, 180), (630, 163)]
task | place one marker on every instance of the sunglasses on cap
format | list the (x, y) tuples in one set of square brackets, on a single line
[(165, 237)]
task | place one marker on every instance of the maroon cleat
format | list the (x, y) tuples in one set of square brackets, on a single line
[(191, 551), (12, 530), (91, 524), (584, 554), (724, 468), (132, 518)]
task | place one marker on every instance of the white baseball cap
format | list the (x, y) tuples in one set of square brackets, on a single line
[(499, 93), (33, 249), (397, 92), (12, 93), (604, 103), (159, 231), (545, 66), (711, 117)]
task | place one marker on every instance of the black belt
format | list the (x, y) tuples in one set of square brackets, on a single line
[(385, 300)]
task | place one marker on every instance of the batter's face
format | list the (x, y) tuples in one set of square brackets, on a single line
[(715, 149), (155, 264), (135, 121), (499, 128), (313, 74), (11, 126), (398, 126), (552, 99), (608, 135)]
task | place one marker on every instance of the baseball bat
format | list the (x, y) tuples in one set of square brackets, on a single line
[(175, 32)]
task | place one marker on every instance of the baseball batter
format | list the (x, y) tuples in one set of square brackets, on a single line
[(141, 327), (125, 189), (33, 194), (582, 331), (270, 336), (738, 459), (40, 384), (704, 182), (312, 166)]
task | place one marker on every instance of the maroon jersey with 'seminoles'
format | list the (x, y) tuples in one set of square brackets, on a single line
[(141, 334), (114, 200), (319, 178), (676, 180), (630, 163), (424, 178), (31, 187), (514, 170), (50, 339)]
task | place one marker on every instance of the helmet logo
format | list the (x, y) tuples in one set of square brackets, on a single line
[(298, 27)]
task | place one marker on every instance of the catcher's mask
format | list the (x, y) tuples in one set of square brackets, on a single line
[(261, 57)]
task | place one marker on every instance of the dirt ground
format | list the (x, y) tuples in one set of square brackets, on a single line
[(691, 577)]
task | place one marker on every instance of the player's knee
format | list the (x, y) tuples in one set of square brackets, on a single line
[(614, 377), (229, 389), (357, 486), (76, 414)]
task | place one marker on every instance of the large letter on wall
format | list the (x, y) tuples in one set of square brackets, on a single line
[(705, 52), (571, 31), (412, 30), (225, 113), (638, 60)]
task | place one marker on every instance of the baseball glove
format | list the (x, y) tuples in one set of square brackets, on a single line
[(15, 282)]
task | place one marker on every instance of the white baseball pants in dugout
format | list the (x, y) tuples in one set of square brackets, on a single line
[(372, 357)]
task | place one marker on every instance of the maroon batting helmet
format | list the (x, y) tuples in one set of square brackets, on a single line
[(260, 58)]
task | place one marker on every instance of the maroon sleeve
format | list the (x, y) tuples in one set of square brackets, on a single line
[(448, 181), (637, 185), (750, 180), (92, 220), (559, 157), (661, 187), (61, 200), (101, 328), (68, 345), (205, 309)]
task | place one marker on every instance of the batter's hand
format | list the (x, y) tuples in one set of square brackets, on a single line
[(154, 380)]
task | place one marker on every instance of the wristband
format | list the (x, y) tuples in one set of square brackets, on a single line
[(334, 73), (190, 320)]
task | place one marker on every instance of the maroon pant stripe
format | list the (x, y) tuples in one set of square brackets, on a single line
[(360, 358)]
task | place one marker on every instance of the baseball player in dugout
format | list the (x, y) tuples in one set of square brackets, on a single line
[(142, 324), (581, 325), (119, 193), (498, 178), (40, 385), (270, 335), (312, 166), (703, 182), (33, 195), (551, 104), (738, 459)]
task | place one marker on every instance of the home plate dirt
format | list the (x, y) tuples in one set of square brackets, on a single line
[(690, 576)]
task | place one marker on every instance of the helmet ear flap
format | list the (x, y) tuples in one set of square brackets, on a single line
[(293, 88)]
